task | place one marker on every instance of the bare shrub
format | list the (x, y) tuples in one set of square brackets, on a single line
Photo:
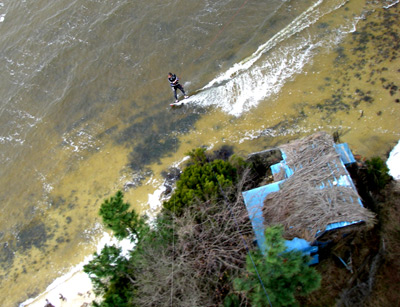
[(209, 250)]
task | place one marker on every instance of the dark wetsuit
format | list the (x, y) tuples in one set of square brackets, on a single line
[(174, 82)]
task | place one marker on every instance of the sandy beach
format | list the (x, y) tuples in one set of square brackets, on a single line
[(75, 288)]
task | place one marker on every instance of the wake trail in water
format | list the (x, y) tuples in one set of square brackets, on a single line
[(245, 84)]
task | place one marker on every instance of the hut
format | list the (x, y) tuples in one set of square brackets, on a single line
[(312, 194)]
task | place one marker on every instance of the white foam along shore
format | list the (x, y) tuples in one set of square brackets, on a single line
[(72, 289), (393, 162), (245, 84), (75, 286)]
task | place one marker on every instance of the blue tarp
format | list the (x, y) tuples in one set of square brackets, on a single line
[(276, 169), (254, 200), (345, 153), (305, 247), (346, 156)]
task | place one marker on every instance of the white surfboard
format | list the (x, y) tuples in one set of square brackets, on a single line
[(179, 103)]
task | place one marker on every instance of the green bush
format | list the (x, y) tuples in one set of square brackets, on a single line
[(144, 277), (201, 180), (284, 275), (378, 173)]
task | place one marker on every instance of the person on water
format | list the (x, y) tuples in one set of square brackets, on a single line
[(174, 82)]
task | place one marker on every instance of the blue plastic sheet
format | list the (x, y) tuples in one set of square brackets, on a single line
[(254, 200), (345, 153)]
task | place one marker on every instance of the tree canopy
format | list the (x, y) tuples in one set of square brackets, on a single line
[(276, 278), (193, 254), (117, 217), (201, 181)]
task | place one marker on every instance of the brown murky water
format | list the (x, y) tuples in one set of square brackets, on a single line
[(61, 179)]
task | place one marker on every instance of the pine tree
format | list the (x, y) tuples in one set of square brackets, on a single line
[(284, 275), (120, 220), (110, 275)]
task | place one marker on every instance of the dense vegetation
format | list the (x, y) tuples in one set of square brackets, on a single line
[(277, 277), (201, 181), (199, 250)]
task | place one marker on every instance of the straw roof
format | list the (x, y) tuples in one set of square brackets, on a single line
[(311, 199)]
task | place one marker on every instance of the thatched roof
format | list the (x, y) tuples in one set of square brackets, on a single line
[(312, 197)]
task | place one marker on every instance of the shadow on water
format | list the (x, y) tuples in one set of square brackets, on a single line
[(361, 69), (35, 234), (6, 255), (40, 233), (152, 137)]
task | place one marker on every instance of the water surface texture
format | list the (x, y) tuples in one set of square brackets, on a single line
[(84, 105)]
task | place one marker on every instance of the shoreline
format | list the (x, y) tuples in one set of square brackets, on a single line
[(71, 289), (74, 276), (75, 288), (393, 162)]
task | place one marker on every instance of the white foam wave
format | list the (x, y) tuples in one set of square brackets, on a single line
[(75, 285), (390, 4), (81, 140), (297, 25), (155, 200), (47, 187), (393, 162), (264, 73), (2, 16), (247, 89), (17, 125), (15, 139)]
